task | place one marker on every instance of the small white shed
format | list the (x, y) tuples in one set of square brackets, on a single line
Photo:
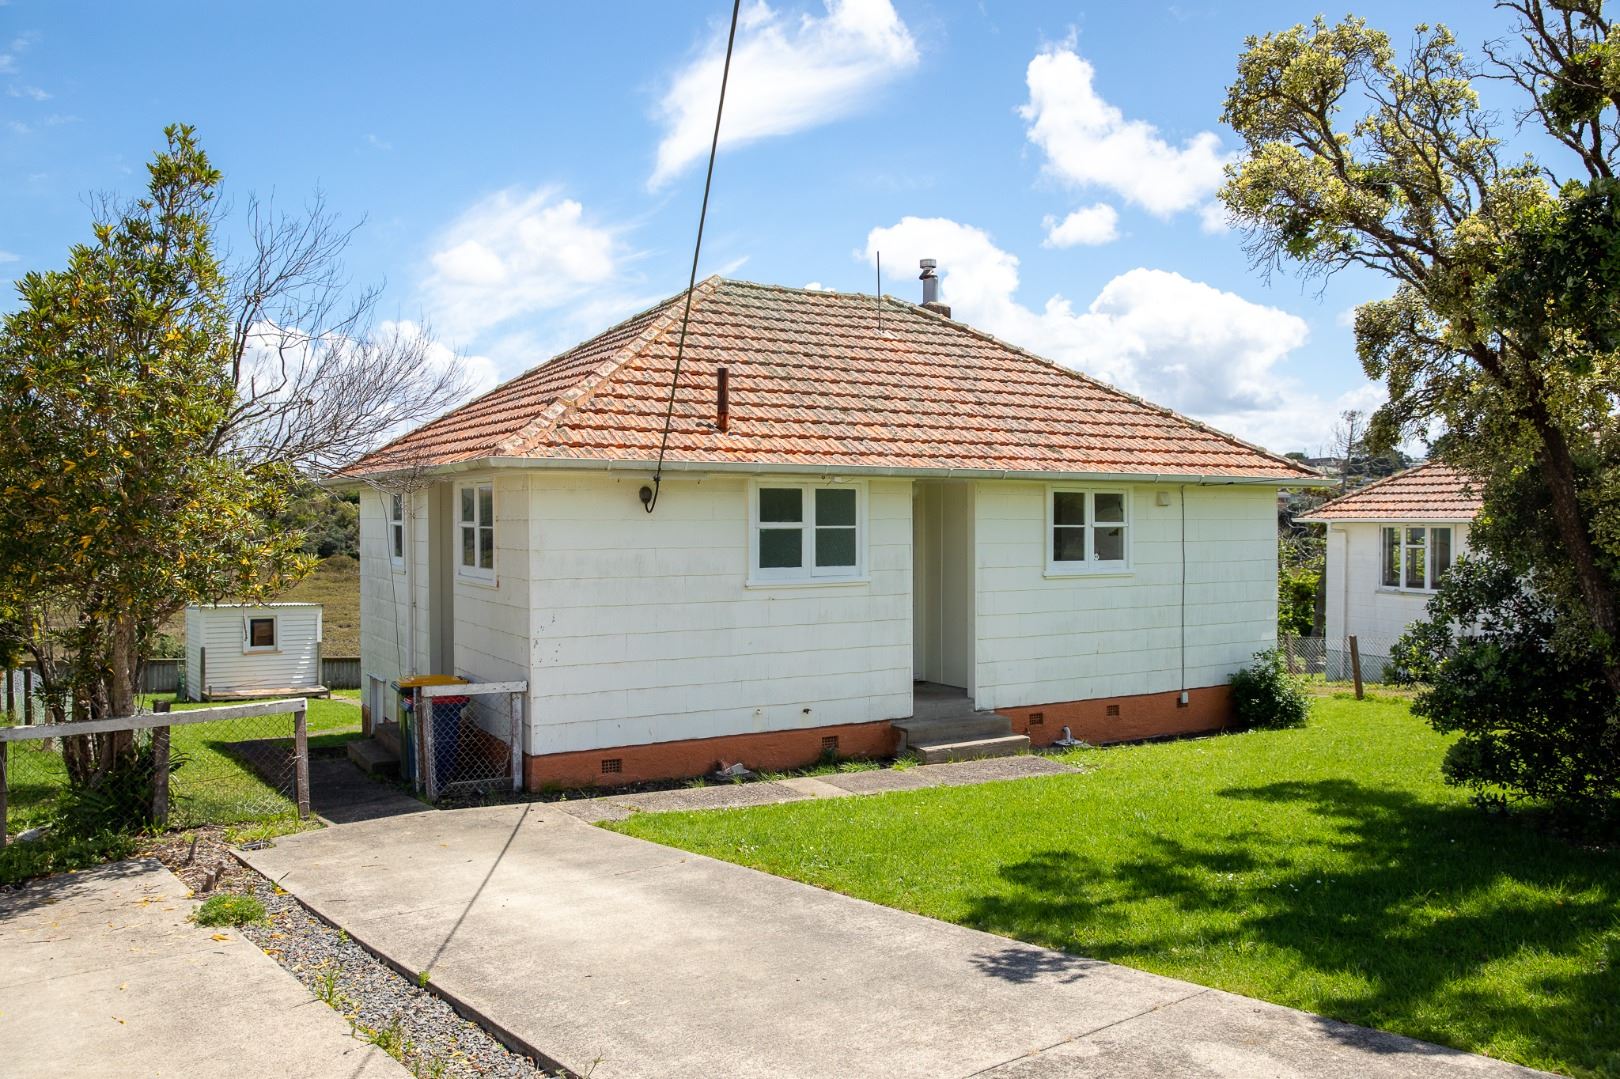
[(236, 652)]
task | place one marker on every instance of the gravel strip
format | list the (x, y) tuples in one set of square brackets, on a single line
[(419, 1028)]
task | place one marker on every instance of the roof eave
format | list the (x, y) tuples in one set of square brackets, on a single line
[(579, 464)]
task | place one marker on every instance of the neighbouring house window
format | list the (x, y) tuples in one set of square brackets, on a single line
[(1090, 530), (261, 634), (1414, 558), (396, 528), (806, 531), (478, 529)]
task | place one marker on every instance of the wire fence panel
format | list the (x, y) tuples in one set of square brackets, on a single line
[(1334, 659), (235, 769), (469, 738)]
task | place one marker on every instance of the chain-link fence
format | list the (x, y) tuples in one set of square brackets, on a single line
[(463, 738), (225, 765), (1336, 660)]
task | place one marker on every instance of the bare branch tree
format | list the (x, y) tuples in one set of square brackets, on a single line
[(319, 381)]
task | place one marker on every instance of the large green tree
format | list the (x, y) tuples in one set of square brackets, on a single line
[(117, 511), (1501, 331)]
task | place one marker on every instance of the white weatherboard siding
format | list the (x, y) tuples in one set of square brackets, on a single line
[(1358, 603), (644, 629), (1045, 639), (230, 667), (492, 617), (384, 595)]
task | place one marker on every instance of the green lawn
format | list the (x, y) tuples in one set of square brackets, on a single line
[(211, 786), (1328, 869)]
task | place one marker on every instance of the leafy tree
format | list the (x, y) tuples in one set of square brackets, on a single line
[(114, 382), (1505, 315), (1518, 688), (1299, 576)]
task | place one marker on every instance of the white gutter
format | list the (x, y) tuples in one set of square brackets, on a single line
[(775, 468)]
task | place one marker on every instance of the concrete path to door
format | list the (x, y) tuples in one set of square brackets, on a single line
[(620, 958), (101, 974)]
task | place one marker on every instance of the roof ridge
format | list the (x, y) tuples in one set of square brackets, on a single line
[(1093, 380), (1375, 484), (580, 393)]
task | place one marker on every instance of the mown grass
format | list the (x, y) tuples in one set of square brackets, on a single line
[(212, 785), (1328, 869)]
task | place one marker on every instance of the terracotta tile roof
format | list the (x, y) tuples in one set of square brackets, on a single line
[(814, 382), (1428, 492)]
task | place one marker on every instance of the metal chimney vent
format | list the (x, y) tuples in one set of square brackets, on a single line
[(930, 280)]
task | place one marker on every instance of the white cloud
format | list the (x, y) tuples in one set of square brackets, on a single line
[(8, 256), (787, 74), (480, 372), (1090, 143), (32, 93), (515, 254), (1087, 226), (377, 143), (1208, 353)]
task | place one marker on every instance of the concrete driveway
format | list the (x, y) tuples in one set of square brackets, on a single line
[(586, 946), (102, 974)]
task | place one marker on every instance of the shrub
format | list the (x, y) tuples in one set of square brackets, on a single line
[(229, 910), (121, 800), (1523, 687), (1266, 697)]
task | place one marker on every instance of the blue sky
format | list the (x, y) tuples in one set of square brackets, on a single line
[(528, 174)]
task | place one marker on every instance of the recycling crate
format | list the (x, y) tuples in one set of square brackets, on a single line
[(446, 719)]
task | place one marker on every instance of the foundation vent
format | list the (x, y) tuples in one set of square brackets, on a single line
[(829, 744), (1037, 719), (1113, 710), (612, 765)]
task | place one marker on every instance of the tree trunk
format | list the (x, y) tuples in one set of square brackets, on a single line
[(1558, 470), (123, 665)]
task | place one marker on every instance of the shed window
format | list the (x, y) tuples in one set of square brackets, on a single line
[(477, 519), (1414, 558), (807, 531), (396, 528), (261, 634), (1089, 530)]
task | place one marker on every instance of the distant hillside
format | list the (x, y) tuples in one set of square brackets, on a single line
[(335, 585)]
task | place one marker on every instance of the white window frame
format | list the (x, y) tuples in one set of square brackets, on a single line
[(1092, 566), (396, 529), (248, 647), (1430, 584), (808, 572), (476, 572)]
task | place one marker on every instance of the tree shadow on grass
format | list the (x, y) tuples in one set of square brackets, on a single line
[(1434, 920)]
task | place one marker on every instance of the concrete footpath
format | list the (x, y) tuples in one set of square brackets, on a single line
[(586, 946), (102, 974)]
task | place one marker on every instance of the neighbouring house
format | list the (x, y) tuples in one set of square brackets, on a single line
[(1388, 545), (877, 527), (236, 652)]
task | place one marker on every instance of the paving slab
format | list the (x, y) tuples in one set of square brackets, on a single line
[(597, 950), (102, 974)]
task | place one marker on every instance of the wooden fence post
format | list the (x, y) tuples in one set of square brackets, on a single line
[(1288, 653), (1355, 665), (424, 738), (5, 751), (28, 696), (160, 776), (516, 700), (11, 695), (301, 761)]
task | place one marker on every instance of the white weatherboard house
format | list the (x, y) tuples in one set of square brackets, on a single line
[(1388, 545), (235, 651), (864, 534)]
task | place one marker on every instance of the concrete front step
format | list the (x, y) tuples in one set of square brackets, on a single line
[(373, 757), (1006, 745), (961, 727)]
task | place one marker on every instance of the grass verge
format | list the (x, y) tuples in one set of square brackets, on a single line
[(1327, 868)]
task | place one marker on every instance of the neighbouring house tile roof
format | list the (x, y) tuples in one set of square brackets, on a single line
[(815, 381), (1428, 492)]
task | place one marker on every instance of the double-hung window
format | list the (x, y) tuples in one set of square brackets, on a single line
[(1413, 558), (477, 526), (1087, 531), (806, 531), (396, 529)]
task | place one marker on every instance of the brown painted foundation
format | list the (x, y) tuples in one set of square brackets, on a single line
[(767, 750), (1124, 719)]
